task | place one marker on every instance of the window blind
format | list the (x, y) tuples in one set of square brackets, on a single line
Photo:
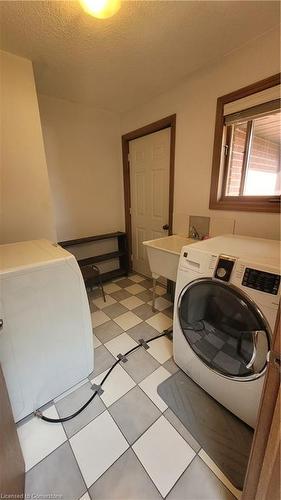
[(254, 112), (252, 100)]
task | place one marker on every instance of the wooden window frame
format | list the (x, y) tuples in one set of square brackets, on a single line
[(219, 171)]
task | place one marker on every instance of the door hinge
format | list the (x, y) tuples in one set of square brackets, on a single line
[(130, 210), (129, 157), (226, 148), (273, 358)]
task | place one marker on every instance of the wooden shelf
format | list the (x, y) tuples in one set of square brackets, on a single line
[(122, 254), (88, 239), (99, 258)]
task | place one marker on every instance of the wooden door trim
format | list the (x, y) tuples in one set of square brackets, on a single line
[(167, 122), (265, 417), (269, 481)]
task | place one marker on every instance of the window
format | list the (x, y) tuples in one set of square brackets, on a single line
[(252, 155), (246, 159)]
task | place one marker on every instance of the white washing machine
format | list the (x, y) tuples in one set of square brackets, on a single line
[(226, 302), (46, 339)]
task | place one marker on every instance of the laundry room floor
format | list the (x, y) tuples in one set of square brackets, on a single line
[(127, 444)]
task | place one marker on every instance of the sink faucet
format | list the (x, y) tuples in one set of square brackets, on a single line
[(194, 233)]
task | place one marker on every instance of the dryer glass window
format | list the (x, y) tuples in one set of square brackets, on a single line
[(224, 328)]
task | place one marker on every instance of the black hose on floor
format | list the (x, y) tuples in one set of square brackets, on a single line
[(38, 413)]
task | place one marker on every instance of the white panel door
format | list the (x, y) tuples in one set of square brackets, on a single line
[(149, 177)]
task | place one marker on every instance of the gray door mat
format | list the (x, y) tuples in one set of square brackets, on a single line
[(223, 436)]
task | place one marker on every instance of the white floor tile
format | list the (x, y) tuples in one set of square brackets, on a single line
[(160, 322), (127, 320), (220, 475), (161, 349), (134, 289), (117, 384), (149, 386), (97, 446), (159, 290), (120, 344), (161, 303), (85, 497), (132, 302), (38, 438), (111, 288), (99, 318), (137, 278), (101, 304), (164, 454), (72, 389), (96, 341)]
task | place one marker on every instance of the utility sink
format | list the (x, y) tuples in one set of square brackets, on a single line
[(163, 255)]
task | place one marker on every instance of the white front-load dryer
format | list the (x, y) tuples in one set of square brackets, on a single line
[(46, 339), (226, 303)]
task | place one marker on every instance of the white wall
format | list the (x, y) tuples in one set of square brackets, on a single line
[(26, 207), (194, 102), (84, 161)]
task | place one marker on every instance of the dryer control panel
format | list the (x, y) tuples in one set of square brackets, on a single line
[(224, 268), (261, 280)]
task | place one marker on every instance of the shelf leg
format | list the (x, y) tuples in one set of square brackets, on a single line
[(102, 290)]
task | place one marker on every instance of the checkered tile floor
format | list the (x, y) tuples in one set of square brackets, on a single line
[(128, 444)]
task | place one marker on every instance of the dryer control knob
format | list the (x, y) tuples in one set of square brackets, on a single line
[(221, 272)]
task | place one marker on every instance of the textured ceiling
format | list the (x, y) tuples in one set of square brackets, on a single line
[(122, 62)]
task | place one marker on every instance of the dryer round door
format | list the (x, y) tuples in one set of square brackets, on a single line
[(224, 328)]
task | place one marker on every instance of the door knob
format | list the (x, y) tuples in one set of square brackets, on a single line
[(165, 227)]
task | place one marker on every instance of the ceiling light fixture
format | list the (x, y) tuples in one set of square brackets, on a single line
[(102, 9)]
